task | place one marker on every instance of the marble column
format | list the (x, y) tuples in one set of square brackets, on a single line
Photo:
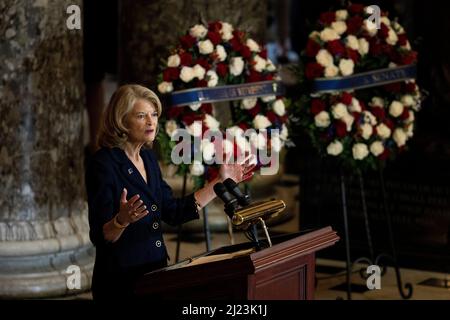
[(43, 212), (149, 29)]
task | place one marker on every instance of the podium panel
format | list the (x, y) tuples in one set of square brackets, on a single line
[(285, 271)]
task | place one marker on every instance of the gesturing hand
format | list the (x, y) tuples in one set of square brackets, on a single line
[(130, 210), (237, 171)]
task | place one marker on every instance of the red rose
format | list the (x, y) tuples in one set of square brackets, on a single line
[(238, 34), (263, 53), (363, 106), (354, 24), (375, 48), (393, 87), (346, 98), (245, 52), (201, 83), (268, 77), (378, 112), (356, 8), (327, 17), (385, 154), (410, 87), (204, 63), (353, 54), (188, 118), (402, 39), (356, 116), (243, 126), (254, 76), (174, 112), (405, 114), (284, 118), (185, 59), (222, 69), (335, 47), (235, 44), (255, 110), (313, 70), (272, 116), (408, 58), (384, 31), (389, 123), (317, 106), (187, 41), (312, 48), (341, 128), (215, 26), (206, 108), (171, 74), (215, 37)]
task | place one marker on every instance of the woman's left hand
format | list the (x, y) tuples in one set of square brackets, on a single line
[(237, 171)]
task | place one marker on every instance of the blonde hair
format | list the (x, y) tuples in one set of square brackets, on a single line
[(113, 132)]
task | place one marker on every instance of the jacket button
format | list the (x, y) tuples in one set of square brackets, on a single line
[(154, 207), (158, 243), (155, 225)]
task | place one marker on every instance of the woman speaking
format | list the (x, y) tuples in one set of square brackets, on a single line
[(128, 199)]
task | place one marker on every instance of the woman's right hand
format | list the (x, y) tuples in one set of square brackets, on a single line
[(130, 210)]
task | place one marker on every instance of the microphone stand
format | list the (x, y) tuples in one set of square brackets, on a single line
[(254, 230)]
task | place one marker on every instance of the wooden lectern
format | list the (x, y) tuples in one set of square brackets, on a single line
[(285, 271)]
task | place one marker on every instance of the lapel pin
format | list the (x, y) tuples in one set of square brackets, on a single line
[(130, 171)]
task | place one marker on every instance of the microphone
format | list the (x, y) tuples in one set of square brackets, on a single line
[(227, 198), (244, 217), (243, 199)]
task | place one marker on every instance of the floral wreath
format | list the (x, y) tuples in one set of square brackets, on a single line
[(214, 55), (361, 125)]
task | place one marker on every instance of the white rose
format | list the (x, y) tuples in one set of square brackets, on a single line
[(322, 119), (392, 37), (187, 74), (410, 117), (221, 53), (408, 100), (339, 26), (260, 63), (366, 131), (205, 47), (170, 127), (173, 61), (392, 65), (198, 31), (369, 118), (276, 144), (195, 129), (270, 66), (399, 137), (165, 87), (258, 140), (211, 122), (236, 66), (335, 148), (370, 27), (314, 35), (284, 132), (409, 130), (248, 103), (235, 131), (339, 110), (363, 46), (355, 105), (377, 101), (397, 27), (331, 71), (385, 20), (377, 148), (360, 151), (348, 120), (328, 34), (346, 66), (212, 77), (383, 131), (352, 42), (268, 98), (199, 71), (261, 122), (324, 58), (196, 169), (195, 106), (252, 45), (279, 108), (208, 149), (341, 15), (395, 109), (226, 31)]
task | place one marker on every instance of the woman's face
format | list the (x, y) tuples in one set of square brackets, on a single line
[(142, 122)]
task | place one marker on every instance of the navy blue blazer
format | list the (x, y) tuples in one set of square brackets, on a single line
[(141, 243)]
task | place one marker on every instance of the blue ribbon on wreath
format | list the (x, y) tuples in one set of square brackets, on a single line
[(226, 93), (365, 80)]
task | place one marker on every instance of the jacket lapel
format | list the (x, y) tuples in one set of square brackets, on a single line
[(132, 174)]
